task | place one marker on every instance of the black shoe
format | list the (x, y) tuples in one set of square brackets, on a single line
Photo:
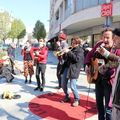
[(25, 81), (66, 100), (58, 87), (11, 79), (30, 81), (41, 89), (36, 88), (13, 72)]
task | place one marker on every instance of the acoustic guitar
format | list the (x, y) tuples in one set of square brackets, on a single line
[(94, 69), (92, 74)]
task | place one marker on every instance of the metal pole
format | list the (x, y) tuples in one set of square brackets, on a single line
[(108, 19)]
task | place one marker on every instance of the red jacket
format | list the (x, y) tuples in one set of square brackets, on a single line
[(43, 55), (31, 53)]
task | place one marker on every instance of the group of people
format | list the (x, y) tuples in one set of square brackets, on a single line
[(107, 51), (31, 53), (7, 64), (70, 61)]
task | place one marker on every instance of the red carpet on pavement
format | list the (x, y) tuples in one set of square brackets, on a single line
[(48, 106)]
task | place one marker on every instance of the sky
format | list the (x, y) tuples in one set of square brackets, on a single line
[(29, 11)]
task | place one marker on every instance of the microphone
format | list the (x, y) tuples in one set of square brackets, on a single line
[(99, 50), (102, 45), (99, 47)]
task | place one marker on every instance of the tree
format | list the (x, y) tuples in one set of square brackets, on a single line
[(39, 30), (5, 24), (18, 29)]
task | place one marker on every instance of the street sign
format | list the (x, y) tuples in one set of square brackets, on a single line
[(106, 10)]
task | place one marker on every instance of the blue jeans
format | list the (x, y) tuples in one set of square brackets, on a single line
[(72, 85), (108, 113)]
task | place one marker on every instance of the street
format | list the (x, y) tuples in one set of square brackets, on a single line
[(17, 109)]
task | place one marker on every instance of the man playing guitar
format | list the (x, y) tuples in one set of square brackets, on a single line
[(103, 87), (115, 60)]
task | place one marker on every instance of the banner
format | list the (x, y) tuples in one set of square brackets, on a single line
[(106, 10)]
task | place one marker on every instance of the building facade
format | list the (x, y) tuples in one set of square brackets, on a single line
[(82, 17)]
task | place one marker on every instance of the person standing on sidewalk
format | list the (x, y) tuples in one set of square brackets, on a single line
[(42, 55), (11, 53), (71, 69), (61, 44), (103, 85), (28, 56)]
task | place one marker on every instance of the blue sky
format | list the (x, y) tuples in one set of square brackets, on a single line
[(29, 11)]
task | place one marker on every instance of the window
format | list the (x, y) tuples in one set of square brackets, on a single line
[(79, 5), (57, 15), (102, 1), (86, 3), (93, 2)]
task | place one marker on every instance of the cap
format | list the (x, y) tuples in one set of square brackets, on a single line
[(116, 31)]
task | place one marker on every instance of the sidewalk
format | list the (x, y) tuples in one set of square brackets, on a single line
[(17, 109)]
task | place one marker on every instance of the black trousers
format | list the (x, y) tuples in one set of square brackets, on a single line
[(59, 74), (6, 73), (40, 70), (103, 91)]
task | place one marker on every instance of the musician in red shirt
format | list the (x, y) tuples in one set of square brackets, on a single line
[(42, 55)]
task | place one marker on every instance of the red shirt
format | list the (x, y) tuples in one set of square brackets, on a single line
[(43, 55), (25, 54)]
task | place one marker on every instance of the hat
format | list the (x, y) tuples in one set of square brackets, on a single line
[(62, 36), (116, 31)]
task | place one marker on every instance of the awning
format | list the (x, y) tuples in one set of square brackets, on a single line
[(54, 39)]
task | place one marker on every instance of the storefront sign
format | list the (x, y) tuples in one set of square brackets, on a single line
[(106, 10)]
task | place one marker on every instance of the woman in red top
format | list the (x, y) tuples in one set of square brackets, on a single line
[(28, 58)]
